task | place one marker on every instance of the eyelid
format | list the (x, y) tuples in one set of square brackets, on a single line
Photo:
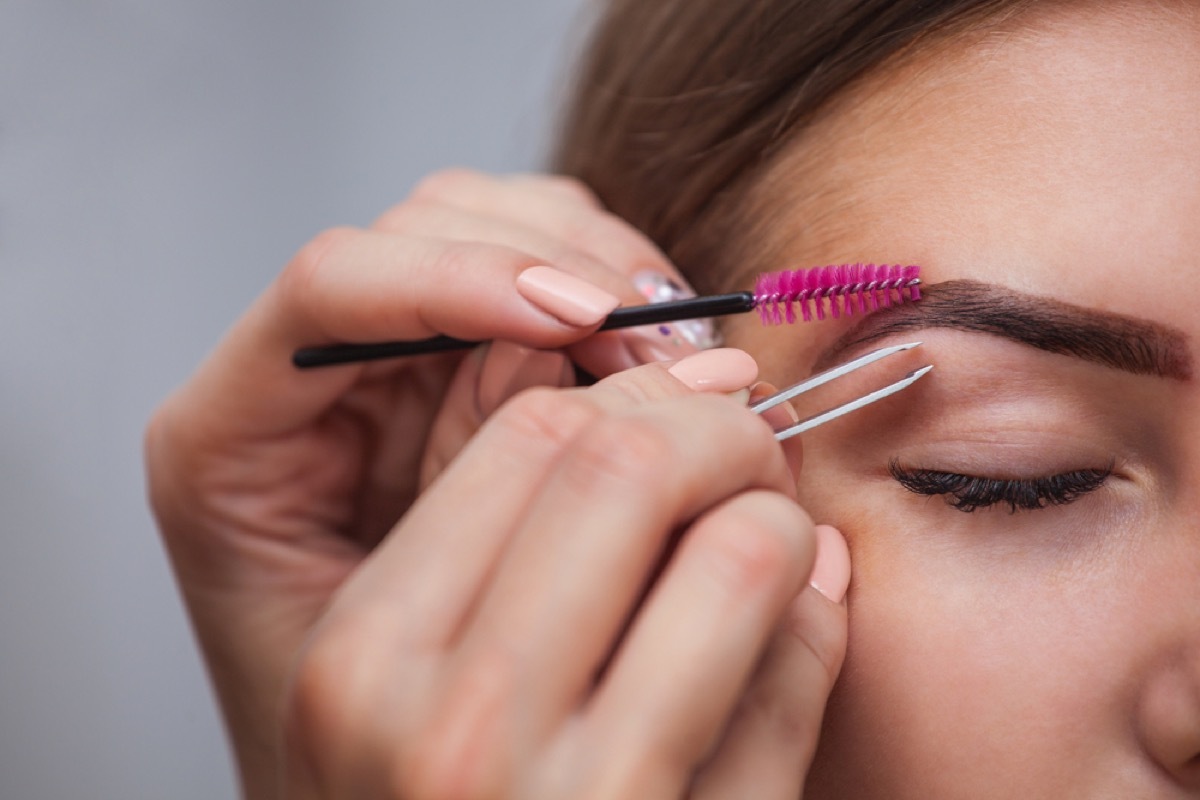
[(1005, 454)]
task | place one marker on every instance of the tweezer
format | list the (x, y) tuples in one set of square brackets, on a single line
[(828, 375)]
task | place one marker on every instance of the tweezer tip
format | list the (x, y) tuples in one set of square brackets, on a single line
[(916, 373)]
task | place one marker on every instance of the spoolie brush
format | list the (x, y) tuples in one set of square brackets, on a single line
[(845, 287), (819, 293)]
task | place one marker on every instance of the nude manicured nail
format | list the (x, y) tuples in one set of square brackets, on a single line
[(657, 343), (658, 288), (831, 572), (723, 370), (570, 299)]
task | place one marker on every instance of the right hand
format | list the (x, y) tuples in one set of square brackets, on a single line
[(604, 596)]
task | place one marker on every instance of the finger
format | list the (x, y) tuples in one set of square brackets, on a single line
[(769, 744), (481, 386), (410, 595), (512, 212), (415, 590), (436, 219), (562, 207), (580, 561), (368, 286), (601, 354), (677, 676), (779, 417), (437, 562), (434, 565)]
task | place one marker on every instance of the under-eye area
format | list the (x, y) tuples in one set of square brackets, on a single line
[(969, 493)]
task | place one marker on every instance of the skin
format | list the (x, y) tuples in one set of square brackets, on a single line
[(1046, 653), (366, 645), (387, 566)]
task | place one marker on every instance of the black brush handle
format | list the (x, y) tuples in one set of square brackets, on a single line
[(627, 317)]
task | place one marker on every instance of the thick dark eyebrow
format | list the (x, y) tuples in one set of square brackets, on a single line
[(1125, 343)]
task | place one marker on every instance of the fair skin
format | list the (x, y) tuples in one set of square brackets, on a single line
[(1045, 653), (489, 640), (1041, 653)]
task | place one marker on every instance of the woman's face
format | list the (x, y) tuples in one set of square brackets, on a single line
[(1015, 650)]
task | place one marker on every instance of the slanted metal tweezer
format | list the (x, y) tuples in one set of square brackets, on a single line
[(828, 375)]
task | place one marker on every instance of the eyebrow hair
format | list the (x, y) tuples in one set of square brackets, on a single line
[(1114, 340)]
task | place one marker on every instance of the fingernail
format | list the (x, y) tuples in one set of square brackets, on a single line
[(831, 572), (778, 417), (562, 295), (659, 288), (508, 368), (657, 343), (723, 370)]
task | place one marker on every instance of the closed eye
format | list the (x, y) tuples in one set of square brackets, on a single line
[(970, 492)]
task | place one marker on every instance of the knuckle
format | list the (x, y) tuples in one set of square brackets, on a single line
[(820, 628), (582, 230), (572, 188), (155, 449), (461, 260), (406, 216), (319, 697), (445, 184), (781, 715), (642, 769), (546, 415), (462, 750), (302, 278), (156, 441), (622, 450), (609, 223), (757, 541), (433, 771), (603, 230), (162, 453), (650, 382)]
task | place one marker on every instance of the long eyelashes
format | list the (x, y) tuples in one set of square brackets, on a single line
[(968, 492)]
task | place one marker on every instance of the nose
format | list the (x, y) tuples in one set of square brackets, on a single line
[(1170, 716)]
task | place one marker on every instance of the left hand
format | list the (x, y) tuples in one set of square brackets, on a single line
[(271, 485)]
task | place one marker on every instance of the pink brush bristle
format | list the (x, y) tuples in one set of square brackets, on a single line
[(820, 282), (762, 291), (911, 276), (848, 289), (848, 273), (837, 280), (805, 282)]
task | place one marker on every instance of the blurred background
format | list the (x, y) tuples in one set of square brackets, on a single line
[(160, 160)]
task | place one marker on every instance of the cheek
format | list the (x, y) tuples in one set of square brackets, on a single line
[(959, 648)]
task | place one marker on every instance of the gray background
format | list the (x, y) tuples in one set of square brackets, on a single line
[(159, 161)]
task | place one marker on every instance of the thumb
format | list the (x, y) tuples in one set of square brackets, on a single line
[(769, 744)]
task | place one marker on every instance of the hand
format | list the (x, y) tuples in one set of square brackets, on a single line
[(604, 596), (272, 485)]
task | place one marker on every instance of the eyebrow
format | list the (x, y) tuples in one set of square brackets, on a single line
[(1113, 340)]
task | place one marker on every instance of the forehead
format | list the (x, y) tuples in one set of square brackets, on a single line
[(1057, 153)]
